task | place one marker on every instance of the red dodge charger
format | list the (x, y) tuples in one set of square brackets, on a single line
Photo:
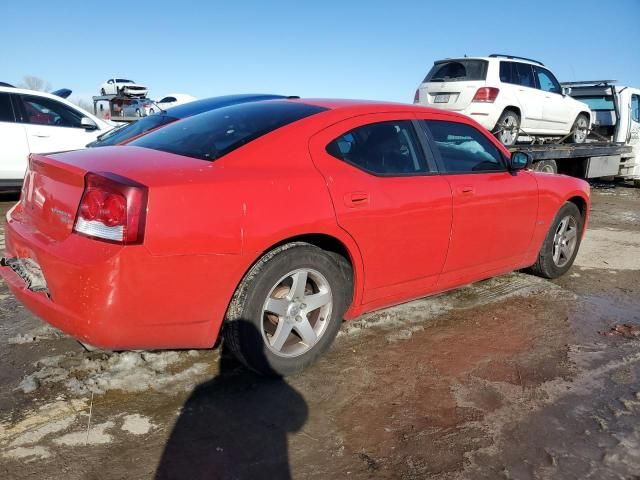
[(274, 220)]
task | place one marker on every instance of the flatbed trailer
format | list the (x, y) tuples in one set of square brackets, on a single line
[(584, 160)]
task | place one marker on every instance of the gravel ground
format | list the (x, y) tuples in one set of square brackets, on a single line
[(514, 377)]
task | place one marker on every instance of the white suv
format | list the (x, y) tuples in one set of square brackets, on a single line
[(508, 95), (38, 122)]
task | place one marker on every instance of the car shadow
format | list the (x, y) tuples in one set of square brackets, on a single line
[(234, 427)]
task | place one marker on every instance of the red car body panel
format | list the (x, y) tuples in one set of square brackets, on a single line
[(208, 222)]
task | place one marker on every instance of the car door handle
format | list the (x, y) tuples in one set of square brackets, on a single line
[(466, 190), (356, 199), (41, 135)]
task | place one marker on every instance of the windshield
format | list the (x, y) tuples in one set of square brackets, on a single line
[(598, 102), (457, 71), (131, 130), (211, 135)]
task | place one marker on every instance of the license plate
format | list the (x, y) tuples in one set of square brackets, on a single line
[(441, 99)]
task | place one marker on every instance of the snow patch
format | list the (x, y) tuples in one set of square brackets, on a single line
[(137, 424)]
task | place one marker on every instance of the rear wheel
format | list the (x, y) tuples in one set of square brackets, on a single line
[(546, 166), (580, 129), (288, 309), (507, 128), (561, 244), (138, 112)]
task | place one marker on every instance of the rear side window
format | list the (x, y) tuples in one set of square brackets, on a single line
[(6, 110), (133, 129), (635, 108), (463, 149), (517, 73), (457, 71), (211, 135), (384, 148)]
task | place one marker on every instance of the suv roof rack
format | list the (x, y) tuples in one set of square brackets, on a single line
[(496, 55), (594, 83), (5, 84)]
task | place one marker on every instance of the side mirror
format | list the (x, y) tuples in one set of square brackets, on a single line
[(566, 91), (88, 124), (520, 160)]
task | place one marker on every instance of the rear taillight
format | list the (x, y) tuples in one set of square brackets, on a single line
[(112, 208), (486, 94), (416, 96)]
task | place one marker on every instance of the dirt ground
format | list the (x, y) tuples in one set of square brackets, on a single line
[(508, 378)]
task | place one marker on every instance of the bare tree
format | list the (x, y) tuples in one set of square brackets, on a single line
[(31, 82), (82, 103)]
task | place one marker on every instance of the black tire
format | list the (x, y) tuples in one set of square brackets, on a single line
[(545, 265), (138, 112), (547, 166), (102, 92), (507, 128), (580, 129), (244, 333)]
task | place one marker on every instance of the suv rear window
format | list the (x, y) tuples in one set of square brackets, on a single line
[(213, 134), (457, 71)]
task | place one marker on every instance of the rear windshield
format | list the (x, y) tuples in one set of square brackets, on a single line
[(457, 71), (598, 102), (131, 130), (211, 135)]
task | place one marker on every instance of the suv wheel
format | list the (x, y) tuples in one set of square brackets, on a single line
[(507, 128), (288, 309), (546, 166)]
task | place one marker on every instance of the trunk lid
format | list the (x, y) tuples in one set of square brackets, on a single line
[(449, 95), (54, 183), (452, 83)]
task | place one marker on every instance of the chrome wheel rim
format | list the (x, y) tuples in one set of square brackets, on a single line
[(296, 312), (580, 133), (546, 169), (564, 241), (509, 130)]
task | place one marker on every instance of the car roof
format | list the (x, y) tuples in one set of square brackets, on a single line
[(206, 104), (373, 106), (492, 59)]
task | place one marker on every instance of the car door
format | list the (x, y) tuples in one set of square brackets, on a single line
[(13, 138), (556, 109), (52, 126), (524, 89), (387, 197), (494, 210)]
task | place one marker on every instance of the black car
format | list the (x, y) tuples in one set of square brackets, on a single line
[(151, 122)]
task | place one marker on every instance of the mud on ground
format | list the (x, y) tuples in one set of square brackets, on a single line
[(507, 378)]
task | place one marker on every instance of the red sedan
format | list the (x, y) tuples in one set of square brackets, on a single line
[(275, 220)]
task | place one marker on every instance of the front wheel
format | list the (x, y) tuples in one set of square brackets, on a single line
[(507, 128), (580, 129), (288, 309), (102, 92), (561, 244), (138, 113)]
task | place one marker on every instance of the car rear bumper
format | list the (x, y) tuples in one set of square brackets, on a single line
[(121, 298)]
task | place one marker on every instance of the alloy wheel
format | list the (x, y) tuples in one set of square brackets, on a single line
[(296, 312), (565, 241)]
